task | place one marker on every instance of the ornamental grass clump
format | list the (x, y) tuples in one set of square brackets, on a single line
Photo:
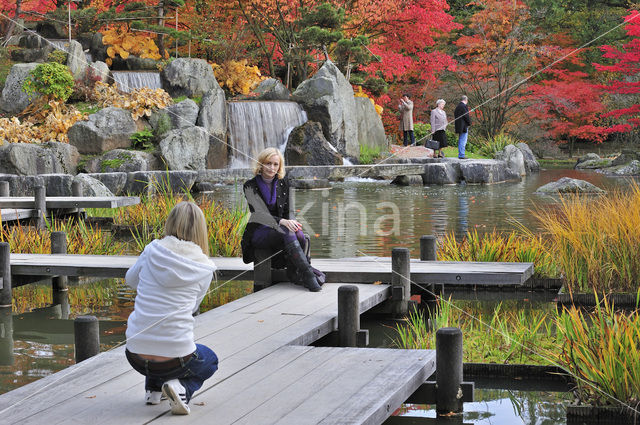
[(596, 241), (500, 334), (601, 351), (499, 247)]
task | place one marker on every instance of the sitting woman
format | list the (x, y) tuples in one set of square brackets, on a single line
[(272, 224)]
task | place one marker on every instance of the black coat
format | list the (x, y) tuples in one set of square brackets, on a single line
[(462, 118), (260, 213)]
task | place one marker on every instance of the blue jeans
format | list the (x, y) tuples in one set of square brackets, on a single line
[(462, 143), (408, 134), (191, 374)]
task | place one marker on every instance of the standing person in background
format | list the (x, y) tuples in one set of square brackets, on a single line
[(406, 119), (438, 127), (463, 122)]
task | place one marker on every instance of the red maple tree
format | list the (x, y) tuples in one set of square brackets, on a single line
[(627, 67)]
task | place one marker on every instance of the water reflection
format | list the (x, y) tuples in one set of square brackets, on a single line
[(372, 217)]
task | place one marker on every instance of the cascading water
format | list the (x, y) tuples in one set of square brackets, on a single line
[(129, 80), (254, 126)]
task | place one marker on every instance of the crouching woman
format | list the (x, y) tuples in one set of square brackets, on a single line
[(171, 277)]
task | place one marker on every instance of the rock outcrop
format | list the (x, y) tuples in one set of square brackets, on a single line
[(121, 160), (370, 128), (568, 185), (327, 97), (272, 89), (188, 77), (108, 129), (14, 99), (185, 149), (308, 146), (514, 159), (33, 159)]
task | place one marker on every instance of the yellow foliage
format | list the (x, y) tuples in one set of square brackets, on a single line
[(47, 124), (139, 101), (124, 43), (359, 93), (237, 76)]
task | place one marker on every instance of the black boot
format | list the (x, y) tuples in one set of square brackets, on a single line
[(292, 273), (296, 257)]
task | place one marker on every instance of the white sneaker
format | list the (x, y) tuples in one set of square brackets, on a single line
[(177, 396), (153, 397)]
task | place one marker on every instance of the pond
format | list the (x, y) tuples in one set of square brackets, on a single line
[(371, 217), (350, 219)]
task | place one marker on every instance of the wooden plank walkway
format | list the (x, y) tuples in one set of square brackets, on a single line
[(66, 202), (13, 214), (267, 374), (362, 270)]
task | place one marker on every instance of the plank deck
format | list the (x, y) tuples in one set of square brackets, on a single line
[(265, 376), (67, 202), (369, 270), (13, 214)]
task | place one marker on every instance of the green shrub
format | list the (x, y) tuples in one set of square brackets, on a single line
[(420, 130), (368, 155), (50, 79), (142, 139), (58, 56), (490, 147)]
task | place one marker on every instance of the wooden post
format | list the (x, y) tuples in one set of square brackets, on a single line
[(6, 336), (87, 337), (41, 207), (428, 248), (4, 189), (76, 191), (59, 246), (400, 280), (348, 315), (428, 252), (5, 264), (448, 371)]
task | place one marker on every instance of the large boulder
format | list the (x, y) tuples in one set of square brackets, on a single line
[(91, 186), (100, 71), (136, 63), (272, 89), (108, 129), (115, 182), (568, 185), (630, 169), (592, 161), (327, 97), (370, 128), (185, 149), (440, 173), (121, 160), (513, 158), (308, 146), (180, 115), (188, 77), (77, 61), (32, 159), (625, 157), (57, 184), (14, 99), (32, 41), (531, 164), (22, 185), (32, 55), (151, 182), (213, 118), (486, 171)]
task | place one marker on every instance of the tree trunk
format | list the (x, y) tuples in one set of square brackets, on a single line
[(12, 23), (160, 38)]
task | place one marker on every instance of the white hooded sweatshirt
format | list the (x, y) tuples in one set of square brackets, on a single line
[(171, 277)]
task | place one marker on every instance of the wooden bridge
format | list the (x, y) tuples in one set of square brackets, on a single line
[(268, 372)]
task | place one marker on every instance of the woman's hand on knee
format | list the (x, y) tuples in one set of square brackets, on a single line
[(292, 225)]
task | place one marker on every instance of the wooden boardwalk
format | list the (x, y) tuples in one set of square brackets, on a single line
[(67, 202), (358, 270), (267, 374)]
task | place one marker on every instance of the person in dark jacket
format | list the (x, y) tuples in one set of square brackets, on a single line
[(272, 224), (463, 122)]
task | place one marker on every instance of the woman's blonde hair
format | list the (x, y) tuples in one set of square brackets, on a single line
[(266, 154), (186, 222)]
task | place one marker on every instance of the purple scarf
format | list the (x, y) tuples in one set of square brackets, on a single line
[(268, 193)]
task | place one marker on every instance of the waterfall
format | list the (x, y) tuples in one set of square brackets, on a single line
[(64, 46), (255, 125), (129, 80)]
